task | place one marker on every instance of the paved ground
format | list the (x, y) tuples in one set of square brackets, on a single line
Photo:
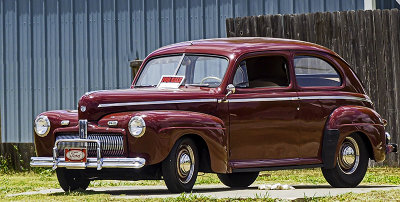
[(220, 191)]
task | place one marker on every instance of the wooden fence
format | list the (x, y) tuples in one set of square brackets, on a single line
[(368, 40)]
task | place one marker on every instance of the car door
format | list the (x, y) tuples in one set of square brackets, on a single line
[(263, 113), (317, 80)]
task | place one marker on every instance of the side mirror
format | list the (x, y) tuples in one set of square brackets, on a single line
[(231, 89)]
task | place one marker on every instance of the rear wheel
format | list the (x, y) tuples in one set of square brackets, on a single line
[(181, 166), (238, 180), (352, 163), (72, 180)]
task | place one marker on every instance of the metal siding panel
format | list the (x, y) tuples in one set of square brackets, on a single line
[(256, 7), (81, 46), (53, 52), (38, 54), (359, 4), (271, 6), (123, 55), (151, 26), (2, 73), (317, 5), (211, 19), (348, 4), (167, 22), (226, 11), (301, 6), (109, 45), (137, 29), (25, 89), (95, 45), (196, 20), (67, 52), (182, 25), (241, 8), (286, 6), (332, 5), (11, 70)]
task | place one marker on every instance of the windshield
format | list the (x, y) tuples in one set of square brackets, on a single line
[(198, 70)]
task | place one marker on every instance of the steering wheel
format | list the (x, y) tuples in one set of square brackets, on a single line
[(210, 77)]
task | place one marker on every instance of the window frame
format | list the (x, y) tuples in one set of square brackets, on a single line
[(138, 74), (285, 54), (325, 57)]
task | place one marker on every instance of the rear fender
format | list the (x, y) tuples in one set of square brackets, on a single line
[(346, 120)]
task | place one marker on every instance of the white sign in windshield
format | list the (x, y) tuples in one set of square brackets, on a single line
[(170, 81)]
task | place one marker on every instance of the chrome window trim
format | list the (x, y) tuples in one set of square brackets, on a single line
[(236, 100), (155, 102)]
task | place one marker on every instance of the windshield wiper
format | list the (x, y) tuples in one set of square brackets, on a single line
[(146, 86), (198, 84)]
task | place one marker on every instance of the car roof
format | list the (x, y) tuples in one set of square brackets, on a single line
[(238, 46)]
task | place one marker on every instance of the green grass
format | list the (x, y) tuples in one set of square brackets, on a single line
[(39, 179), (392, 195)]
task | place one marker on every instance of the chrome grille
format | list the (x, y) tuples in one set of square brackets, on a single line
[(112, 145)]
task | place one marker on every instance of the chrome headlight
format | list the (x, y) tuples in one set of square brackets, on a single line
[(42, 126), (137, 126)]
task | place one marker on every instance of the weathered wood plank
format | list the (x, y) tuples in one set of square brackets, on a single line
[(394, 82), (230, 27)]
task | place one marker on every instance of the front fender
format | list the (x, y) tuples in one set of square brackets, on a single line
[(165, 127), (44, 145), (351, 119)]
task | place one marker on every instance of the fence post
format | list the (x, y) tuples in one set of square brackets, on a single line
[(135, 65)]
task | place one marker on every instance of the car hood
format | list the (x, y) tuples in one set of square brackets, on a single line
[(94, 105)]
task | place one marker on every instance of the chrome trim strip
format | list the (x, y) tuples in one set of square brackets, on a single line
[(122, 104), (236, 100), (263, 99), (301, 98), (344, 97)]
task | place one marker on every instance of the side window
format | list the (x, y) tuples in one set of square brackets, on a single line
[(313, 71), (262, 72)]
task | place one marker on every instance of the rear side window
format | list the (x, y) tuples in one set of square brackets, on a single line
[(313, 71)]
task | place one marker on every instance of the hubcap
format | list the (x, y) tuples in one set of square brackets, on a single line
[(185, 163), (349, 156)]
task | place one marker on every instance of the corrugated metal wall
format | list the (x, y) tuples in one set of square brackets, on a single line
[(53, 51)]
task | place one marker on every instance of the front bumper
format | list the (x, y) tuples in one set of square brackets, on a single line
[(91, 163), (97, 162)]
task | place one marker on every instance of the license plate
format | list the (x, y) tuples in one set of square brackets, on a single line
[(75, 155)]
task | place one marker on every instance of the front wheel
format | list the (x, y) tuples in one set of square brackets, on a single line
[(72, 180), (238, 180), (181, 166), (352, 163)]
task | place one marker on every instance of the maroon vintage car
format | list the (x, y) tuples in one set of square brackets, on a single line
[(233, 106)]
